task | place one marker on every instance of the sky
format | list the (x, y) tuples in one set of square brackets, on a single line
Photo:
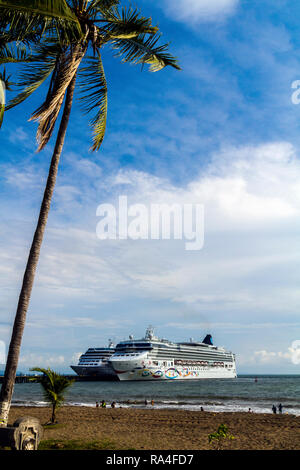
[(224, 133)]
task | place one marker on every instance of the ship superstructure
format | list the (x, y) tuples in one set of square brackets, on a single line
[(151, 358), (94, 362)]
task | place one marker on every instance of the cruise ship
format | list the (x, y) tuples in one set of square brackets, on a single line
[(94, 362), (151, 358)]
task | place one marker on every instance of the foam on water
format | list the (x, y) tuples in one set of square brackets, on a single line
[(211, 407)]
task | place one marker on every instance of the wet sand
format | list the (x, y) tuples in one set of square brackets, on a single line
[(156, 429)]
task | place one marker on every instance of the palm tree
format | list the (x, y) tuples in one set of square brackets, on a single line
[(54, 387), (135, 40)]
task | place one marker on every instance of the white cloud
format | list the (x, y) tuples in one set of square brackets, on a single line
[(234, 326), (2, 352), (199, 10), (41, 360), (23, 178), (19, 135), (245, 277), (65, 322), (250, 195), (75, 357), (272, 357)]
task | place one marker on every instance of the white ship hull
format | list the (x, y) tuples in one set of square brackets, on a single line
[(153, 359), (104, 372), (94, 363), (125, 372)]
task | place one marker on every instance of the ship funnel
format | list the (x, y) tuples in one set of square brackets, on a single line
[(208, 340)]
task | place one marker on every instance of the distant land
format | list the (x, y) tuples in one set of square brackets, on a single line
[(18, 373)]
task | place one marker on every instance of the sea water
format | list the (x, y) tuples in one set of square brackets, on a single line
[(258, 393)]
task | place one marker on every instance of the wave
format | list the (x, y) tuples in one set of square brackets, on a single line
[(212, 406)]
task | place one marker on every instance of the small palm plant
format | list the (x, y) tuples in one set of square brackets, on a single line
[(54, 387), (217, 438)]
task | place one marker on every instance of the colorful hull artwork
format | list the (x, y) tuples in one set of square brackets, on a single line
[(176, 373)]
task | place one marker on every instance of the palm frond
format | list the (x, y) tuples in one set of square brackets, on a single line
[(49, 8), (14, 53), (102, 6), (32, 76), (126, 23), (47, 113), (93, 91), (22, 17), (5, 80), (144, 50), (11, 36), (46, 126)]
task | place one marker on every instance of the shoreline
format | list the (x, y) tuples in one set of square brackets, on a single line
[(165, 429), (173, 406)]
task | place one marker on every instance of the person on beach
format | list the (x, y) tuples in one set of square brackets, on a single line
[(146, 403), (103, 404), (274, 409), (201, 409), (113, 405), (97, 404), (152, 402), (280, 408)]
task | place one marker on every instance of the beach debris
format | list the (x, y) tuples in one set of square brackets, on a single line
[(25, 434)]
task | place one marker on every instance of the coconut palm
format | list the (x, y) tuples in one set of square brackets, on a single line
[(134, 39), (54, 387)]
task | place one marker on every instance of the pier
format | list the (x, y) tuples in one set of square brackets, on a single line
[(23, 379)]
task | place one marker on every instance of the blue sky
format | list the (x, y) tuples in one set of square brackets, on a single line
[(224, 133)]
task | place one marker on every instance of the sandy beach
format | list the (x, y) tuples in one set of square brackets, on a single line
[(153, 429)]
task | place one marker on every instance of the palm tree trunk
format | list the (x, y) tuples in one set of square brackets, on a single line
[(53, 417), (24, 298)]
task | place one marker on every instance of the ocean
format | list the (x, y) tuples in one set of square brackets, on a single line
[(246, 391)]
